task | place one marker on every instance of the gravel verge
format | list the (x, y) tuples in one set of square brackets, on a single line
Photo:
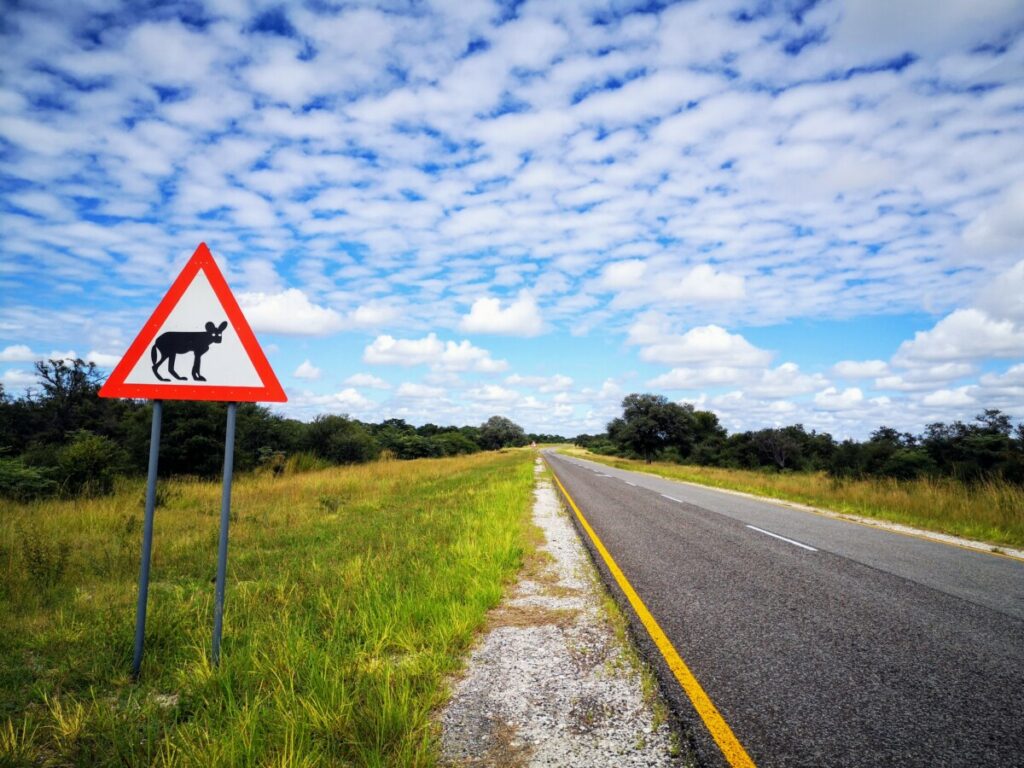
[(551, 682)]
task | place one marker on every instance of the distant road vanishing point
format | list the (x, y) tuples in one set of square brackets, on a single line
[(819, 642)]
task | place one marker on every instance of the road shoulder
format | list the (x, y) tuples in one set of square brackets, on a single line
[(551, 682)]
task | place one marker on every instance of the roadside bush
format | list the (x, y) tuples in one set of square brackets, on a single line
[(341, 440), (89, 464), (303, 461), (45, 561), (270, 460), (24, 483), (455, 444)]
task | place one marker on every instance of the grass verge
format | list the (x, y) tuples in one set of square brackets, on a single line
[(991, 512), (352, 594)]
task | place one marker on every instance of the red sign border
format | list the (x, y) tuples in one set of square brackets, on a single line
[(202, 259)]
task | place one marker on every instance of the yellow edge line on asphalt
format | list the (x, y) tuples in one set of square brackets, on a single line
[(734, 752), (844, 517)]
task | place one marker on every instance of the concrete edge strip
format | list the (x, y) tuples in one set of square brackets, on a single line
[(732, 750), (870, 522)]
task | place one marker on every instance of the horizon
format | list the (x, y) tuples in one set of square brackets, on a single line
[(812, 214)]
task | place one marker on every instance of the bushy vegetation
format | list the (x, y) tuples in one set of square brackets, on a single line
[(62, 438), (651, 427), (353, 595)]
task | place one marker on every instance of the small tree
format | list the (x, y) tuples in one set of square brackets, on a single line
[(88, 465)]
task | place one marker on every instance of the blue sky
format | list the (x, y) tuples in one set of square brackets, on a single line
[(803, 211)]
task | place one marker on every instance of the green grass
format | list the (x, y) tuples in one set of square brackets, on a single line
[(991, 512), (352, 594)]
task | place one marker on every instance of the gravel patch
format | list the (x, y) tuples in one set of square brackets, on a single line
[(549, 684)]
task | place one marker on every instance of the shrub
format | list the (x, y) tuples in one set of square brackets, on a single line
[(303, 461), (45, 561), (88, 465), (24, 483)]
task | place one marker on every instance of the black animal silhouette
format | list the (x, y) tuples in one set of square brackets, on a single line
[(168, 345)]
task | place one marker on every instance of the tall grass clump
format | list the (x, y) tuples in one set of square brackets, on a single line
[(352, 593), (991, 511)]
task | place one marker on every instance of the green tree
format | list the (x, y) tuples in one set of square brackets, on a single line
[(650, 423), (498, 432), (341, 440)]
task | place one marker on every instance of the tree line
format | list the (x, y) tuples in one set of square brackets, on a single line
[(651, 427), (62, 438)]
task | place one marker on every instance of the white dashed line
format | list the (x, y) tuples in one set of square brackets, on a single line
[(781, 538), (629, 483), (672, 498)]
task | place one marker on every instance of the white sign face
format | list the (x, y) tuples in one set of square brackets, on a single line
[(193, 346)]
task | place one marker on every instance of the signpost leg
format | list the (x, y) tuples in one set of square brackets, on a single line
[(147, 538), (222, 547)]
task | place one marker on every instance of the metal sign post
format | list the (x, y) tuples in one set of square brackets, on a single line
[(222, 546), (147, 537)]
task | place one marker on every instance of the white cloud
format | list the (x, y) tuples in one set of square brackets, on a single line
[(367, 380), (945, 398), (420, 391), (923, 377), (623, 274), (703, 284), (555, 383), (167, 53), (695, 378), (307, 370), (443, 355), (347, 400), (965, 334), (831, 399), (492, 393), (289, 312), (284, 78), (639, 282), (1000, 227), (860, 369), (374, 314), (18, 379), (785, 381), (705, 344), (1004, 296), (520, 318), (102, 359), (877, 29), (18, 353)]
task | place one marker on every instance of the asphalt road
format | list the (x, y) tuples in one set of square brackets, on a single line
[(836, 645)]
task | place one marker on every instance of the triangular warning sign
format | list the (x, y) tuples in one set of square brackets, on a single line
[(196, 346)]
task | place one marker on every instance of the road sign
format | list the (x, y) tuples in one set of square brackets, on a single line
[(197, 322), (197, 345)]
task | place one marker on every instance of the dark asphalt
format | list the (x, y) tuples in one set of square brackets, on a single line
[(875, 650)]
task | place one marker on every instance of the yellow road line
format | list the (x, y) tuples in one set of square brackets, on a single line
[(734, 752)]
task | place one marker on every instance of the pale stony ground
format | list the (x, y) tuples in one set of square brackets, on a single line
[(549, 683)]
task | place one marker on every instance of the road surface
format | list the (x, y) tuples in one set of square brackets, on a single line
[(821, 642)]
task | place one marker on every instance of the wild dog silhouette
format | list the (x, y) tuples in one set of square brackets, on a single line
[(173, 343)]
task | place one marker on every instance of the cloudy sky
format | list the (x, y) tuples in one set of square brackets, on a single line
[(438, 211)]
